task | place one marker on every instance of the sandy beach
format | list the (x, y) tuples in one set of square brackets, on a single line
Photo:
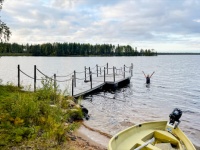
[(86, 138)]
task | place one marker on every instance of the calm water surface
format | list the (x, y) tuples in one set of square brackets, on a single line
[(175, 84)]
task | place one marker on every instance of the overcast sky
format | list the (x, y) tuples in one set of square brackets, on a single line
[(163, 25)]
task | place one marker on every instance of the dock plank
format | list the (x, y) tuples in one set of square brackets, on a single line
[(83, 88)]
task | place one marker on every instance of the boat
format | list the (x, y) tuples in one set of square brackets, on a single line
[(160, 135)]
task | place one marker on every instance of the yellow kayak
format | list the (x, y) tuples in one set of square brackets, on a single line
[(160, 135)]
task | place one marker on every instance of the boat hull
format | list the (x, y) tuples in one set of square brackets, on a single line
[(140, 134)]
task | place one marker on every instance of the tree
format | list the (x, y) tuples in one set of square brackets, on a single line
[(4, 29)]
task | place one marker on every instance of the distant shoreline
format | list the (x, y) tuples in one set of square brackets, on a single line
[(15, 54), (178, 53), (28, 54)]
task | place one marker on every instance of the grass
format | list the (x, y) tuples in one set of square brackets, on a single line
[(39, 120)]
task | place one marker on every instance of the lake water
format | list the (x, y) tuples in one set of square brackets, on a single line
[(175, 84)]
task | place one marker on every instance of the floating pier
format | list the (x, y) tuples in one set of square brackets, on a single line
[(90, 80)]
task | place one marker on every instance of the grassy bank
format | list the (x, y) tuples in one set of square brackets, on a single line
[(40, 120)]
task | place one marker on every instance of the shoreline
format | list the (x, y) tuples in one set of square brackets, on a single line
[(87, 138)]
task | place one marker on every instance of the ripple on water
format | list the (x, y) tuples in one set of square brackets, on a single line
[(112, 112)]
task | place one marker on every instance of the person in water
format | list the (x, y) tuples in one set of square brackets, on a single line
[(148, 77)]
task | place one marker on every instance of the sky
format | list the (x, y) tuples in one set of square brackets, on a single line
[(162, 25)]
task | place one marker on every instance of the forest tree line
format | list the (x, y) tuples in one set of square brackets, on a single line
[(73, 49)]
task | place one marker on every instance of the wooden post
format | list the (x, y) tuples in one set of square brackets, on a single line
[(97, 70), (54, 82), (91, 79), (89, 73), (74, 78), (85, 73), (131, 69), (104, 74), (107, 68), (72, 85), (114, 73), (124, 71), (18, 75), (35, 78)]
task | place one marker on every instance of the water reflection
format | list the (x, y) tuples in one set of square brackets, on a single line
[(148, 86)]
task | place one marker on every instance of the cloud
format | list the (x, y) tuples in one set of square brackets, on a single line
[(197, 20), (114, 21)]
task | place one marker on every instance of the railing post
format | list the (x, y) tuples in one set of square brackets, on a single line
[(131, 69), (35, 78), (107, 68), (74, 78), (18, 75), (89, 73), (85, 73), (54, 82), (97, 70), (104, 74), (72, 85), (114, 73), (124, 71), (91, 79)]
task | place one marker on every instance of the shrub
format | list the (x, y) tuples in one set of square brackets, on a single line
[(28, 116)]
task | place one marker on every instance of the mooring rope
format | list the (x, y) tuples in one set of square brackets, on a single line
[(63, 80), (81, 78), (44, 74), (26, 74), (126, 66), (65, 75), (93, 68), (103, 65), (81, 72)]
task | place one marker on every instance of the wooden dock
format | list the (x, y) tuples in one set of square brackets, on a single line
[(90, 80), (107, 81), (100, 85)]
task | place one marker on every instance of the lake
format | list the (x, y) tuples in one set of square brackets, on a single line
[(175, 84)]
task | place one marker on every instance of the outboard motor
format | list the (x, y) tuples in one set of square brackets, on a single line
[(175, 116), (174, 120)]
